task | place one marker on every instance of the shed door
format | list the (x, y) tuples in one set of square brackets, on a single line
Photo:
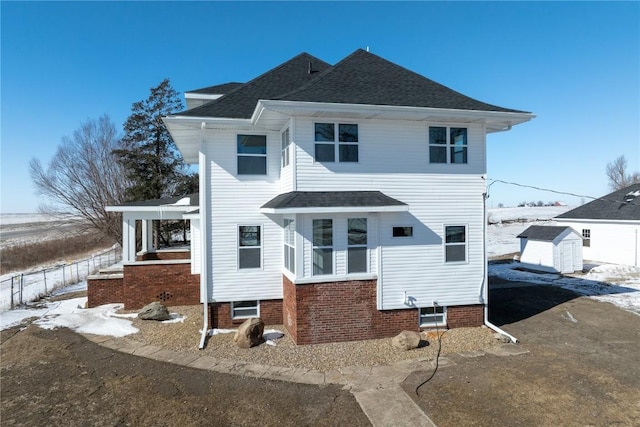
[(566, 258)]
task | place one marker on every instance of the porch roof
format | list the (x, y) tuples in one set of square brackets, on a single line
[(166, 208), (332, 202)]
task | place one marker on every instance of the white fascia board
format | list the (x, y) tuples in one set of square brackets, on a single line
[(346, 209), (209, 96), (300, 108), (189, 215), (161, 208), (210, 122)]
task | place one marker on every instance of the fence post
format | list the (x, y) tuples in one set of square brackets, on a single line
[(44, 273), (12, 304), (21, 285), (77, 272)]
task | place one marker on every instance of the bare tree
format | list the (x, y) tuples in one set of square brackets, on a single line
[(618, 176), (84, 176)]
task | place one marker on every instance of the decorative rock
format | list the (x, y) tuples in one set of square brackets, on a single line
[(406, 340), (502, 338), (249, 334), (154, 311)]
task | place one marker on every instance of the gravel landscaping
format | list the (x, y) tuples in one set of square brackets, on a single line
[(185, 336)]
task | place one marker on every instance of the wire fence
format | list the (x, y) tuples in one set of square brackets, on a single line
[(26, 287)]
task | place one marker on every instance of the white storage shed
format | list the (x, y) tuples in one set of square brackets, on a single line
[(552, 249)]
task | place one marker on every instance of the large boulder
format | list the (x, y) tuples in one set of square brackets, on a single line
[(406, 340), (249, 334), (154, 311)]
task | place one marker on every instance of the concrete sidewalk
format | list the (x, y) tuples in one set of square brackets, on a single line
[(376, 388)]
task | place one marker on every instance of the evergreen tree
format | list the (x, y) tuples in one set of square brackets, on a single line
[(153, 165)]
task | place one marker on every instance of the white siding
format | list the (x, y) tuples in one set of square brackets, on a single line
[(539, 255), (617, 243), (393, 158), (235, 201)]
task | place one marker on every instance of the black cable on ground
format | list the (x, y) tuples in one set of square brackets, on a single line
[(437, 356)]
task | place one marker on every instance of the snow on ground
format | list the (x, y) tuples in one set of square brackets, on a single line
[(524, 214), (13, 218)]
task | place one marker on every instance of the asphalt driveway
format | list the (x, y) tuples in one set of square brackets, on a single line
[(582, 368)]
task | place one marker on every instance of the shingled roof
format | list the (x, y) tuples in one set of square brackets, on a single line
[(360, 78), (332, 199), (241, 102), (621, 205), (544, 233), (217, 89)]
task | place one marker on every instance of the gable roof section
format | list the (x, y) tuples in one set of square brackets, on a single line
[(360, 78), (333, 201), (241, 102), (544, 233), (621, 205), (365, 78)]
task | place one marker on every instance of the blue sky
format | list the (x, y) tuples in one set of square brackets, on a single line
[(575, 65)]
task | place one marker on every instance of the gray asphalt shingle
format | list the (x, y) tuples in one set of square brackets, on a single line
[(330, 199), (621, 205), (545, 233)]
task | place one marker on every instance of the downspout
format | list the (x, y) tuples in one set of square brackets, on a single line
[(485, 276), (204, 261)]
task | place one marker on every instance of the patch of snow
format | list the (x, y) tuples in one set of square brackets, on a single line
[(524, 214)]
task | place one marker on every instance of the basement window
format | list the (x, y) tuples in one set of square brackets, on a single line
[(432, 316), (245, 309)]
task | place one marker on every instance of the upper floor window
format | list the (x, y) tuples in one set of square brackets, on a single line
[(249, 246), (322, 247), (286, 143), (357, 245), (252, 155), (447, 147), (330, 144), (455, 246)]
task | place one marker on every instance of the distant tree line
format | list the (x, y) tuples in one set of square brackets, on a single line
[(98, 166)]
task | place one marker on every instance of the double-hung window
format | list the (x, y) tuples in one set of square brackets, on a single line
[(447, 145), (322, 247), (586, 237), (290, 245), (249, 246), (455, 246), (286, 143), (252, 154), (330, 144), (357, 245)]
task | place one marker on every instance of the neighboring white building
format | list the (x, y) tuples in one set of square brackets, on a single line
[(551, 248), (610, 226), (345, 201)]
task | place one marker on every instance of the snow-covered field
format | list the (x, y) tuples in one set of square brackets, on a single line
[(617, 284)]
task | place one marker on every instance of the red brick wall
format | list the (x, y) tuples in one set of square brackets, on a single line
[(104, 291), (220, 314), (170, 255), (460, 316), (340, 311), (170, 284)]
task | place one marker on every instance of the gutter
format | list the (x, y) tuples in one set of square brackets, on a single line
[(485, 278), (204, 262)]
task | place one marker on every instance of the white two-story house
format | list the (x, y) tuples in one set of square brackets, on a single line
[(345, 201)]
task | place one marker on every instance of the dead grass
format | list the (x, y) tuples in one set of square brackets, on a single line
[(24, 256)]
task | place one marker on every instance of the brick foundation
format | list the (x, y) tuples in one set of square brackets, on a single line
[(163, 256), (220, 314), (166, 282), (104, 290), (340, 311), (461, 316)]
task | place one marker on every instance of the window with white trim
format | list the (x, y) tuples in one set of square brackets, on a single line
[(432, 316), (286, 143), (322, 247), (249, 246), (586, 237), (252, 154), (447, 145), (330, 144), (455, 245), (245, 309), (357, 245), (290, 245)]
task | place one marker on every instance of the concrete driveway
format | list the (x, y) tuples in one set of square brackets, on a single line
[(582, 367)]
